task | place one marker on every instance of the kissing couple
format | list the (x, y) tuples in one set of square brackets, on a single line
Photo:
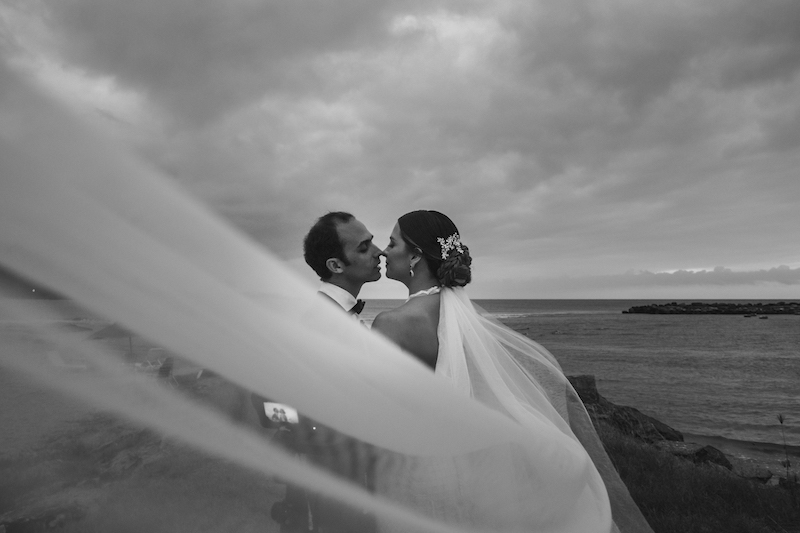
[(473, 354), (425, 253)]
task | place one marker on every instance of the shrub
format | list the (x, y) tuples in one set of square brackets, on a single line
[(677, 496)]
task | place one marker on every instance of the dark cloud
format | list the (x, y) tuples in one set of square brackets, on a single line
[(564, 137), (640, 51), (759, 43), (199, 59)]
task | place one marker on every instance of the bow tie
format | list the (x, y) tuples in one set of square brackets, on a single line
[(356, 309)]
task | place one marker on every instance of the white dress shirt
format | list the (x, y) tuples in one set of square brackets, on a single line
[(338, 295)]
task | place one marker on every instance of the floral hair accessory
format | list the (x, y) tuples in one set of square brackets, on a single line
[(453, 242)]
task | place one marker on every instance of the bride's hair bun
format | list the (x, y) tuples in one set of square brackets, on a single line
[(437, 238), (455, 271)]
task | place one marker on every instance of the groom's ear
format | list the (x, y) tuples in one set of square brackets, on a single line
[(334, 265)]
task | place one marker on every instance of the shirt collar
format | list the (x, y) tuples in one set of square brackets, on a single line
[(338, 295)]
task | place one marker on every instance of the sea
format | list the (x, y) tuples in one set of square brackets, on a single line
[(719, 376)]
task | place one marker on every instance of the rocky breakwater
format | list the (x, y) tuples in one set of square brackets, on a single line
[(647, 429), (720, 308)]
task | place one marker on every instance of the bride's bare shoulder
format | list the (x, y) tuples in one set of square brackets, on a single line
[(409, 316), (408, 312), (413, 327), (391, 319)]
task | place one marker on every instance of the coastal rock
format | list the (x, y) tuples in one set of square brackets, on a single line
[(718, 308), (626, 419), (586, 387), (754, 472), (697, 453), (632, 422)]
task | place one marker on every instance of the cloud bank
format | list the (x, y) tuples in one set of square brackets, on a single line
[(780, 283)]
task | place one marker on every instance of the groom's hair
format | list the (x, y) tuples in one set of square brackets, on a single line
[(322, 242)]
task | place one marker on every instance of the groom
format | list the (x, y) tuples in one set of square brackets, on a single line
[(339, 248)]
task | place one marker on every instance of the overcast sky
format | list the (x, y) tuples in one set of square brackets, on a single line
[(584, 148)]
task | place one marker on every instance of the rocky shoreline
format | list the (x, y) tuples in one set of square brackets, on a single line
[(718, 308), (644, 428)]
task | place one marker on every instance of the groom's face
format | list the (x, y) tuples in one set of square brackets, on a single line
[(362, 254)]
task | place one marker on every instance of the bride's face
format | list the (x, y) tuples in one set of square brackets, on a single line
[(398, 256)]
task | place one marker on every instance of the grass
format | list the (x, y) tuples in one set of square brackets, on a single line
[(677, 496)]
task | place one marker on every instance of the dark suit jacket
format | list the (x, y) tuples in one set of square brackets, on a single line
[(334, 451)]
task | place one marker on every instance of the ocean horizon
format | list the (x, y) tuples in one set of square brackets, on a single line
[(717, 376)]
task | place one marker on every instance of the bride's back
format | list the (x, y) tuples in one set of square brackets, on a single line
[(413, 326)]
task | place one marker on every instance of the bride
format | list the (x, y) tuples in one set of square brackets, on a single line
[(425, 253), (481, 358)]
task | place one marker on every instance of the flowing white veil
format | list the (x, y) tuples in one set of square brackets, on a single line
[(484, 360), (88, 219)]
